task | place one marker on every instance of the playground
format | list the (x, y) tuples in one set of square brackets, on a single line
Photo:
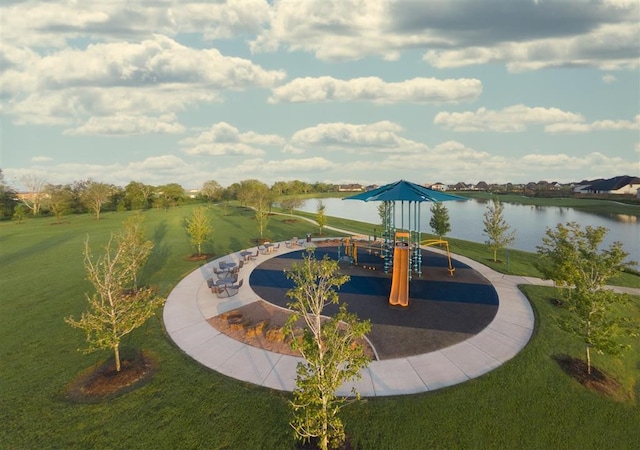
[(441, 310)]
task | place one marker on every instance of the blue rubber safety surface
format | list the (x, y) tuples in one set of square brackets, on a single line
[(443, 310)]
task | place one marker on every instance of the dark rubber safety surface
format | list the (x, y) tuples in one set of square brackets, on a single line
[(443, 310)]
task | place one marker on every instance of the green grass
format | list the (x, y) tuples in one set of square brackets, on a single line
[(529, 402)]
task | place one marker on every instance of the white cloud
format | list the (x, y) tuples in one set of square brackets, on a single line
[(128, 125), (41, 159), (224, 139), (514, 118), (374, 89), (379, 137), (609, 47), (95, 88), (608, 79), (598, 125)]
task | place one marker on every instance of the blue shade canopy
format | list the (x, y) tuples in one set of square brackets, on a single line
[(404, 191)]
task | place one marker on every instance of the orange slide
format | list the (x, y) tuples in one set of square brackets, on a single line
[(400, 282)]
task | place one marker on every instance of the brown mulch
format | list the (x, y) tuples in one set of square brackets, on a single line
[(240, 324), (597, 380), (200, 257), (103, 382)]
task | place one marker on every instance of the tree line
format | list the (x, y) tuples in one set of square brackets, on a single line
[(89, 196)]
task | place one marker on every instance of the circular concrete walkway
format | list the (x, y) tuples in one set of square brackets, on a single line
[(191, 303)]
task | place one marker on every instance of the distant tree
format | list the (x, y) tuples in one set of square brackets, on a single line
[(290, 203), (262, 218), (95, 196), (496, 228), (169, 195), (8, 198), (59, 199), (114, 309), (137, 195), (439, 222), (35, 185), (573, 259), (331, 348), (321, 217), (211, 190), (199, 227)]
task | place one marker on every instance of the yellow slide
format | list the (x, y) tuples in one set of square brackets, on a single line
[(400, 282)]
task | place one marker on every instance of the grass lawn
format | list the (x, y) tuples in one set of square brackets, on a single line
[(528, 402)]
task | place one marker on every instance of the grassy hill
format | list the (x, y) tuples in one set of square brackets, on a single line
[(527, 403)]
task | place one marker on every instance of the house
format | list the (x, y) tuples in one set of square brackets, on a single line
[(618, 185), (437, 186)]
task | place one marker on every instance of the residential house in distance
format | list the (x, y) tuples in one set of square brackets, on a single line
[(437, 186), (350, 188), (617, 186)]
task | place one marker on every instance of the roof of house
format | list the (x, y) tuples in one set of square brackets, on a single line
[(614, 183)]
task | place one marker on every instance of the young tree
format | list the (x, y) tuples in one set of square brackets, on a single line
[(321, 218), (573, 259), (262, 218), (136, 248), (19, 213), (496, 228), (439, 222), (114, 310), (331, 348), (95, 196), (199, 227)]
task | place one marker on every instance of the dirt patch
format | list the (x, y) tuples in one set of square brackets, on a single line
[(103, 382), (597, 380), (200, 257), (259, 324)]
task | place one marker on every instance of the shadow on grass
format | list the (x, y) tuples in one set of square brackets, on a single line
[(159, 255), (36, 249)]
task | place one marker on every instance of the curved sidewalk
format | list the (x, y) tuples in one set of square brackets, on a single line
[(191, 303)]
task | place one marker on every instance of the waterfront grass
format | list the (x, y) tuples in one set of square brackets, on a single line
[(527, 402)]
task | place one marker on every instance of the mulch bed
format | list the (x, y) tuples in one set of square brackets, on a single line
[(598, 380), (103, 382)]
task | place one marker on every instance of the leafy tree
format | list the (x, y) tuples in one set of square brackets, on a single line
[(169, 195), (137, 195), (331, 348), (19, 213), (114, 309), (439, 222), (199, 227), (8, 198), (573, 259), (211, 190), (496, 228), (290, 203), (96, 195), (59, 200), (321, 217)]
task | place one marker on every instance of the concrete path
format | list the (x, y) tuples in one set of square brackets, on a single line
[(191, 303)]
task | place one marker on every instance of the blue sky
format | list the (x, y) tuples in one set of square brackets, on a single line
[(333, 91)]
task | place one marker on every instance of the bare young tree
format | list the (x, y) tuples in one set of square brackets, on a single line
[(35, 185), (321, 217), (115, 310), (496, 228)]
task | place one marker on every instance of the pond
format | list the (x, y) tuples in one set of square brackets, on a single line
[(529, 222)]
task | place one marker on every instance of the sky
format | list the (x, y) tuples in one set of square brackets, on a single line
[(369, 91)]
